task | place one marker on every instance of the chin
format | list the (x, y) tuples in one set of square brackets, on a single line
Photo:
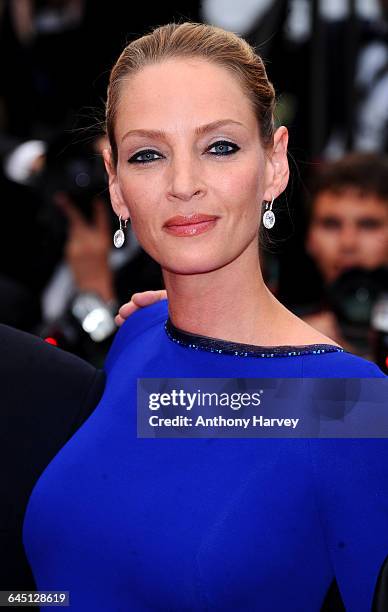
[(194, 264), (188, 269), (191, 258)]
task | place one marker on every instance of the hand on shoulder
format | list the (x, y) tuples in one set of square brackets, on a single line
[(137, 301)]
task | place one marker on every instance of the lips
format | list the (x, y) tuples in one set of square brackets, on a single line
[(190, 225), (189, 220)]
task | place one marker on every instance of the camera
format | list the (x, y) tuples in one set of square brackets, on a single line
[(359, 299), (73, 168)]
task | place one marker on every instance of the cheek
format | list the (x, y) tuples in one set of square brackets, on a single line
[(250, 180), (375, 246), (323, 244), (238, 180), (142, 221), (139, 196), (242, 189)]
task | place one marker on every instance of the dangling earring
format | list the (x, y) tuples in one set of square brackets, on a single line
[(119, 236), (269, 215)]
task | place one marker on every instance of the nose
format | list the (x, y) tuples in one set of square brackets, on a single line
[(348, 239), (185, 180)]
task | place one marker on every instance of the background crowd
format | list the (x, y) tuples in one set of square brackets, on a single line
[(326, 257)]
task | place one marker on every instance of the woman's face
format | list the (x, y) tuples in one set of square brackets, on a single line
[(191, 171)]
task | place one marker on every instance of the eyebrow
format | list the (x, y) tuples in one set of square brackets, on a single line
[(362, 219), (202, 129)]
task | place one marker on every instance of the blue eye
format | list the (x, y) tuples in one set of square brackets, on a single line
[(147, 154), (222, 147)]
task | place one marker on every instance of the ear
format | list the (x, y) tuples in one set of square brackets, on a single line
[(277, 170), (117, 200)]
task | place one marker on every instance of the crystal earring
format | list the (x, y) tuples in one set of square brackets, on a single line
[(119, 236), (269, 215)]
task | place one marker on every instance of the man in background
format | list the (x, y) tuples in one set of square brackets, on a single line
[(347, 224)]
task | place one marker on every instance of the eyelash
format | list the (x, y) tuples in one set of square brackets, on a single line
[(133, 159)]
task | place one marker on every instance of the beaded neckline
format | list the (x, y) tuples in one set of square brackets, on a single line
[(226, 347)]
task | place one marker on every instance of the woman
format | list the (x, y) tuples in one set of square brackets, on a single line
[(127, 523)]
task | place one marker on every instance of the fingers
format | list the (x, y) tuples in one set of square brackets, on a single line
[(146, 298), (137, 301), (119, 320), (67, 206), (100, 215), (125, 311)]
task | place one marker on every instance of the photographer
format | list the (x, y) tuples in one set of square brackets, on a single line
[(92, 277), (347, 238)]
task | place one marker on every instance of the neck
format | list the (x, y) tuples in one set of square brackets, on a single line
[(231, 303)]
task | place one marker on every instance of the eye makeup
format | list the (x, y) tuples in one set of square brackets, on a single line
[(233, 148)]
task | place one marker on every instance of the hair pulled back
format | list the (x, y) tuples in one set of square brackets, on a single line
[(201, 41)]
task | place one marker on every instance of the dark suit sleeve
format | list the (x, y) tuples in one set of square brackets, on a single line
[(46, 394)]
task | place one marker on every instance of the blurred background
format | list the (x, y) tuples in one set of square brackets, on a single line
[(326, 257)]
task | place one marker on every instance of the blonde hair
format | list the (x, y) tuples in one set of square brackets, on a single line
[(195, 40)]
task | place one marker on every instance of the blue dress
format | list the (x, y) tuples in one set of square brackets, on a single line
[(134, 524)]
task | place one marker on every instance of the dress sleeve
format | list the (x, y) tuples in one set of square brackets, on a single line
[(340, 365), (351, 484)]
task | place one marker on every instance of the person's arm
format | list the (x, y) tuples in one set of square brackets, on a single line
[(87, 252), (88, 246), (46, 395)]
